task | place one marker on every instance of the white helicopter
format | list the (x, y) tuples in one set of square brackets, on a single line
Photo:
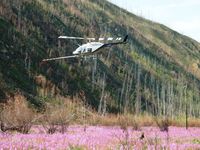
[(89, 48)]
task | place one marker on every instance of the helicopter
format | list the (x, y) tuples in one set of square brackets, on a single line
[(90, 48)]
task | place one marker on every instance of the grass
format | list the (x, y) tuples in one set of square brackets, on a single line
[(58, 110), (72, 147), (196, 141), (136, 121)]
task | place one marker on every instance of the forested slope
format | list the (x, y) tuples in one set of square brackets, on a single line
[(157, 72)]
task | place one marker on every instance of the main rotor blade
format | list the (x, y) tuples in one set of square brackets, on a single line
[(90, 39), (59, 58), (76, 38), (73, 38)]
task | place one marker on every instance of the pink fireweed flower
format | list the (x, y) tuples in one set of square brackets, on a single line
[(99, 137)]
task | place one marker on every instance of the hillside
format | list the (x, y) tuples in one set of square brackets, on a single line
[(157, 72)]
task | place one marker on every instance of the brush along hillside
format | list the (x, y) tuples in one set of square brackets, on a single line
[(156, 72)]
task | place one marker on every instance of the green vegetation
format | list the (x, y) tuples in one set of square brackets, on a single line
[(157, 72), (196, 141)]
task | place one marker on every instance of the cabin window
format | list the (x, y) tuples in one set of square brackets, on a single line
[(89, 50)]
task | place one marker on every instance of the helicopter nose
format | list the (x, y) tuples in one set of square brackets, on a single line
[(74, 52)]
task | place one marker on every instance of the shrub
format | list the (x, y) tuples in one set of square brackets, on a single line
[(129, 120), (163, 124), (57, 118), (16, 115)]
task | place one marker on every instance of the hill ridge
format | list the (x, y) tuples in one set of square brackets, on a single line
[(154, 73)]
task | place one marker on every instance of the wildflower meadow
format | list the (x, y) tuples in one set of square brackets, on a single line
[(103, 138)]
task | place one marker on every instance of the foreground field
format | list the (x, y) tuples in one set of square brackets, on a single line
[(100, 137)]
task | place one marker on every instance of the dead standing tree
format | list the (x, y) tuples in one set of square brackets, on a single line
[(138, 92), (102, 100)]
